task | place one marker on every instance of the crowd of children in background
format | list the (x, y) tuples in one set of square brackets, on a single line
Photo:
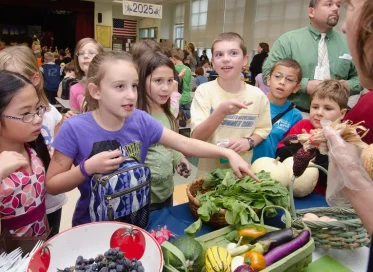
[(119, 101)]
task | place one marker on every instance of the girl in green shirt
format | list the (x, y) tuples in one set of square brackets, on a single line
[(156, 84)]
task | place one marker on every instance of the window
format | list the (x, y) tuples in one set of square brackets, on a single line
[(150, 32), (199, 13), (234, 15), (179, 35)]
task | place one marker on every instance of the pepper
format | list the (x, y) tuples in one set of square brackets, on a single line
[(250, 232), (255, 260)]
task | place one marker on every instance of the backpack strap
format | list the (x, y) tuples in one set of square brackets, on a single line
[(280, 115)]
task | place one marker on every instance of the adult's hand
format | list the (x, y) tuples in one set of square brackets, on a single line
[(311, 85)]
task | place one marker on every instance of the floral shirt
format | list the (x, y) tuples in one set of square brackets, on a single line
[(22, 200)]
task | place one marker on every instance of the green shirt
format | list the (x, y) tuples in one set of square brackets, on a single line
[(187, 80), (162, 161), (302, 45)]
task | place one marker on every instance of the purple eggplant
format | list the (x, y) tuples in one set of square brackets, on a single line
[(276, 238), (244, 268), (285, 249)]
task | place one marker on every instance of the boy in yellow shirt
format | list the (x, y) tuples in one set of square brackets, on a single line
[(227, 111)]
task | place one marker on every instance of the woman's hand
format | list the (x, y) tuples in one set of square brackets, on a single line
[(11, 161), (104, 162), (183, 168), (239, 166)]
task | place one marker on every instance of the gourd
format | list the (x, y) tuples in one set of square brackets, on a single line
[(367, 160), (306, 183), (193, 252), (217, 259), (276, 168)]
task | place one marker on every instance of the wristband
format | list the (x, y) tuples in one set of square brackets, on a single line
[(251, 143), (82, 169)]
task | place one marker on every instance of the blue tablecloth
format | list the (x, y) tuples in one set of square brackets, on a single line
[(178, 218)]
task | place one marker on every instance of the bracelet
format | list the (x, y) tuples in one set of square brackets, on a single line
[(82, 169)]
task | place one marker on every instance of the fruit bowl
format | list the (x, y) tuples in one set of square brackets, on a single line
[(90, 240)]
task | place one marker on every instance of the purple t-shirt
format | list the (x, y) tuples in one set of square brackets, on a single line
[(80, 137)]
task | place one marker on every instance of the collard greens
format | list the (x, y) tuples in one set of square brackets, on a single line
[(240, 197)]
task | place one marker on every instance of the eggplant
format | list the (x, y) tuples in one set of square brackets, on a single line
[(285, 249), (277, 237), (244, 268)]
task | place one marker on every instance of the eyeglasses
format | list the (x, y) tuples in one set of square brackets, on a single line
[(28, 117), (289, 80), (90, 54)]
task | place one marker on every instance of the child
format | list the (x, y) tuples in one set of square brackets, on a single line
[(82, 140), (227, 111), (156, 84), (20, 59), (52, 77), (85, 51), (284, 80), (328, 102), (68, 81), (177, 59), (200, 78), (22, 201)]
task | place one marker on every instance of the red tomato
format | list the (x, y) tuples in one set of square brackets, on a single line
[(41, 260), (130, 240)]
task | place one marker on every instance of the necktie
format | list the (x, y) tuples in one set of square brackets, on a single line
[(323, 58)]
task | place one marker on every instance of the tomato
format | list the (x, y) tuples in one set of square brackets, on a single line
[(255, 260), (41, 260), (130, 240), (250, 232)]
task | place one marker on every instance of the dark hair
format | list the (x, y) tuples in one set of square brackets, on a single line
[(148, 63), (199, 71), (69, 67), (264, 46), (142, 46), (62, 52), (290, 63), (332, 90), (313, 3), (230, 36), (10, 84), (364, 39)]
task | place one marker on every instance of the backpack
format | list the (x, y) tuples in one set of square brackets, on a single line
[(123, 195)]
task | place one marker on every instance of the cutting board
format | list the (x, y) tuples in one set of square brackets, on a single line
[(326, 264)]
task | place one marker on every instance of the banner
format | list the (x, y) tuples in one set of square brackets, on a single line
[(142, 9)]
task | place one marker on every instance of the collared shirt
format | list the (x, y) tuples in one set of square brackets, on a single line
[(302, 45)]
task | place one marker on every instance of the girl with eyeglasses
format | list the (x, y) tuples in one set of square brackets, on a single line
[(86, 49), (22, 188)]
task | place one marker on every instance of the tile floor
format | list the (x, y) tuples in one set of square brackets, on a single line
[(179, 195)]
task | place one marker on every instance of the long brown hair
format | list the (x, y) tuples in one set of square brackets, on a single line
[(142, 46), (78, 71), (22, 58), (96, 73), (148, 63)]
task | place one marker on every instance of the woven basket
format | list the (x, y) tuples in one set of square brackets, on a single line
[(217, 220), (346, 233)]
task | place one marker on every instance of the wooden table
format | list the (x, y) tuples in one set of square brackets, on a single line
[(64, 103)]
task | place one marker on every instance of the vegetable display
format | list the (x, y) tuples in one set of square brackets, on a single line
[(241, 198), (250, 232), (281, 251), (276, 169), (255, 260), (277, 237), (217, 259)]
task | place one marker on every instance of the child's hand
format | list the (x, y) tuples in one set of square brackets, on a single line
[(104, 162), (11, 161), (233, 106), (183, 168), (239, 166), (182, 73), (239, 145), (68, 115)]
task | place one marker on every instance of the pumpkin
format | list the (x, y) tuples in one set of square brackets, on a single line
[(367, 160), (276, 168), (193, 252), (306, 183), (218, 259)]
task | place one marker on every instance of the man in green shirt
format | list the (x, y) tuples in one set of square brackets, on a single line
[(186, 99), (303, 46)]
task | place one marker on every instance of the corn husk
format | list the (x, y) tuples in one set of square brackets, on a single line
[(347, 130)]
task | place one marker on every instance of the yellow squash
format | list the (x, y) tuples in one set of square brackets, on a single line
[(218, 259)]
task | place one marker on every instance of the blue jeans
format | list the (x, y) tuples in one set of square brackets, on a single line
[(186, 109)]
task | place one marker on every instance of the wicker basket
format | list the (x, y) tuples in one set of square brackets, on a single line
[(346, 233), (217, 220)]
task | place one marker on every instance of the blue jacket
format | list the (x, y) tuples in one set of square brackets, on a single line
[(52, 77)]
